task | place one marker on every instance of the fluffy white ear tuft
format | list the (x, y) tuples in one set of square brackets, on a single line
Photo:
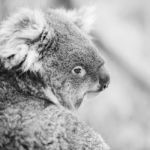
[(15, 34), (84, 18)]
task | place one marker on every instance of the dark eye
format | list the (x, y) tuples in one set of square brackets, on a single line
[(78, 70)]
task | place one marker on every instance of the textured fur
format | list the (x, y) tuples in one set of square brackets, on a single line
[(38, 54), (51, 44), (30, 126)]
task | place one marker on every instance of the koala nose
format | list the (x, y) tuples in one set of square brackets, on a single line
[(104, 78)]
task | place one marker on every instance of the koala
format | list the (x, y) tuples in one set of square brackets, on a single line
[(48, 63), (50, 55)]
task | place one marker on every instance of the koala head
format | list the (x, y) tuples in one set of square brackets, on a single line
[(57, 45)]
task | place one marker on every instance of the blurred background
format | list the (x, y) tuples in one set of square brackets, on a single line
[(121, 114)]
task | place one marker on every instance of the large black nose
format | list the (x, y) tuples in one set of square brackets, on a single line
[(104, 78)]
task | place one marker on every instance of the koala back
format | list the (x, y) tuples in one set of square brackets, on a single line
[(29, 125)]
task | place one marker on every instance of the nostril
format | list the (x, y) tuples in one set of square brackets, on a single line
[(104, 78), (104, 81), (105, 86)]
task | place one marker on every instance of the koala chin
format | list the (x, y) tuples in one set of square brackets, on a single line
[(50, 55)]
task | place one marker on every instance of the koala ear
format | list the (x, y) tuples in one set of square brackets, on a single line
[(18, 40), (84, 18)]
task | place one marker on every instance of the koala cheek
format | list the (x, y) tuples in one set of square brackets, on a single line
[(79, 95), (71, 93), (70, 96), (93, 87)]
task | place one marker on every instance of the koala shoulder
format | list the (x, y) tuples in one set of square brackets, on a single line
[(50, 128)]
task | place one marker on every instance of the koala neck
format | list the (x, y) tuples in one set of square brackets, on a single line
[(28, 83)]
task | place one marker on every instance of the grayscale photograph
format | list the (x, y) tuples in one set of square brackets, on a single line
[(74, 75)]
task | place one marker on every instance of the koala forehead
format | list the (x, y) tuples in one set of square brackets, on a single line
[(75, 48)]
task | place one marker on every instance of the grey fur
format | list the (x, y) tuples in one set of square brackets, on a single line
[(38, 51)]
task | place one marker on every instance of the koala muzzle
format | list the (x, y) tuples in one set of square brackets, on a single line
[(104, 78)]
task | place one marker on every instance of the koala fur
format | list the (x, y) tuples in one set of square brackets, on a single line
[(47, 64), (31, 126), (46, 47)]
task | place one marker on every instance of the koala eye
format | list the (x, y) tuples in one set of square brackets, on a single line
[(78, 70)]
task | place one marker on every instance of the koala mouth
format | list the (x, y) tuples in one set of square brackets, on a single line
[(94, 93), (102, 88), (87, 95), (91, 94)]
